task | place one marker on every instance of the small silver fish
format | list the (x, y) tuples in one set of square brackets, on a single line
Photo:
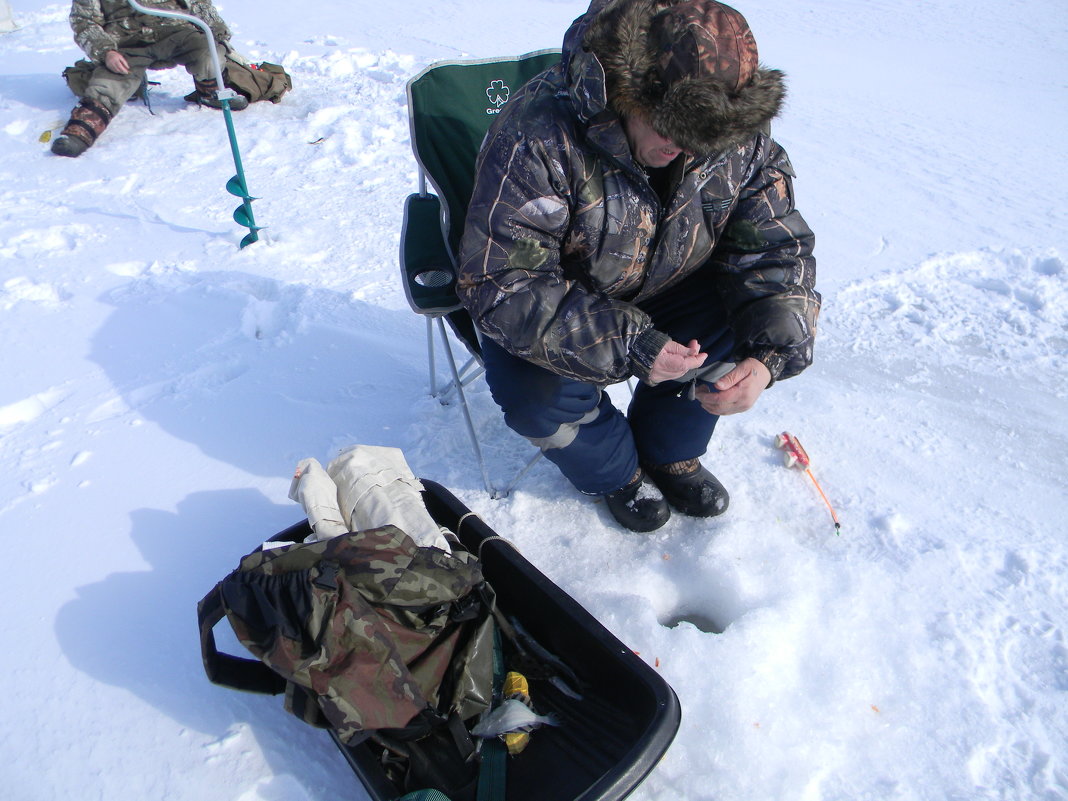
[(511, 715)]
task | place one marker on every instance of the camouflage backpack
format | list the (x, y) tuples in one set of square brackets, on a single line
[(263, 81), (365, 632)]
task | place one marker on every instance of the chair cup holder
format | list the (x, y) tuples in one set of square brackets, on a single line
[(433, 278)]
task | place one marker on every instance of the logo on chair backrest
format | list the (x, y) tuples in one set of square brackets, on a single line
[(498, 94)]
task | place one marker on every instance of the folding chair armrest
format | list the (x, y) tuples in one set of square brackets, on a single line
[(427, 268)]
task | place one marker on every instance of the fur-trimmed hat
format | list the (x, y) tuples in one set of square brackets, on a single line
[(689, 67)]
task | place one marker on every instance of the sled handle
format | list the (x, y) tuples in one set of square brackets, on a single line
[(235, 672)]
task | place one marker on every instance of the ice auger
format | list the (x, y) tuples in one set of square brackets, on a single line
[(235, 186)]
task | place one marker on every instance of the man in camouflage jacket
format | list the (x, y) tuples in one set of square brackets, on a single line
[(632, 217), (123, 43)]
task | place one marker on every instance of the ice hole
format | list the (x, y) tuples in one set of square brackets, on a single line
[(699, 620)]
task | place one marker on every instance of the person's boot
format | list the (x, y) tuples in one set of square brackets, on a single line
[(690, 487), (87, 121), (207, 94), (638, 506)]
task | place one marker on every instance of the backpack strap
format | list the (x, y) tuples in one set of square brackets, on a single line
[(300, 701), (250, 675), (431, 751), (491, 773)]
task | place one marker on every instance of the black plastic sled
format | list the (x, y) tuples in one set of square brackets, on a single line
[(609, 737), (608, 740)]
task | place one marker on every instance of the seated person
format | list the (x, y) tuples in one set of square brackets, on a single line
[(123, 43), (631, 216)]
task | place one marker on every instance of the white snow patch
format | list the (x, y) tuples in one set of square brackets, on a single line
[(157, 383)]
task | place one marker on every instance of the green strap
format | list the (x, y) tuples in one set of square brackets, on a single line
[(491, 785)]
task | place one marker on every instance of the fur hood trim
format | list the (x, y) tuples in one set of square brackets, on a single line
[(688, 67)]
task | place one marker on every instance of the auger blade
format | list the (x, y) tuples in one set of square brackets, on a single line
[(243, 216), (236, 187)]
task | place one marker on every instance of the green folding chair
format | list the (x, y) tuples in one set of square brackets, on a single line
[(451, 105)]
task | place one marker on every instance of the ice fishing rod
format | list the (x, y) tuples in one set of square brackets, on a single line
[(236, 186), (796, 456)]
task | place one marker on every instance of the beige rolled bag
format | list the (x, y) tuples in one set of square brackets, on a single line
[(365, 487)]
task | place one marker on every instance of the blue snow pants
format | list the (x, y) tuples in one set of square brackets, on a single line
[(575, 423)]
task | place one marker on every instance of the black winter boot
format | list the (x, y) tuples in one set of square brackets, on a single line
[(638, 506), (207, 94), (70, 146), (87, 121), (690, 488)]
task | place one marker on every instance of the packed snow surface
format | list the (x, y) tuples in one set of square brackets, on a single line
[(158, 385)]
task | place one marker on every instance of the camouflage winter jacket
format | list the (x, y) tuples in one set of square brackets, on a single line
[(103, 25), (565, 236)]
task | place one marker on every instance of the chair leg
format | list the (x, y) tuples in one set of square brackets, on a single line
[(430, 356), (467, 413), (470, 371), (519, 475), (460, 378)]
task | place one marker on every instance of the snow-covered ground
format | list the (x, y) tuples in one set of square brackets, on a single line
[(157, 386)]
